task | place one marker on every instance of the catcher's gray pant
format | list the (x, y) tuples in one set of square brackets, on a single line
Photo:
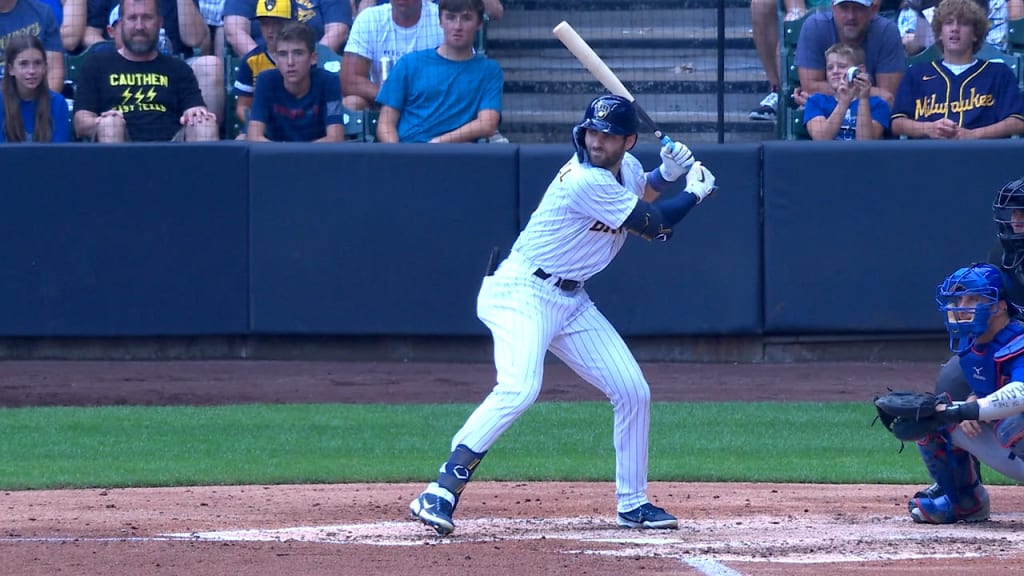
[(985, 446)]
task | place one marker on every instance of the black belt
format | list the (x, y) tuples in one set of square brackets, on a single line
[(565, 285)]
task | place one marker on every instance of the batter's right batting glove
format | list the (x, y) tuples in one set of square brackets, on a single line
[(676, 159), (700, 181)]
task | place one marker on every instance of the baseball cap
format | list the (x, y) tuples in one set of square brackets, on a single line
[(861, 2), (275, 9), (115, 15)]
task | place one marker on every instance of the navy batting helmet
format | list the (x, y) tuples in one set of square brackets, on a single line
[(966, 320), (609, 114), (1010, 200)]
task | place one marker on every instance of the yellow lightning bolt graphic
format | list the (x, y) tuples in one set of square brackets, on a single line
[(126, 95), (150, 94), (138, 96)]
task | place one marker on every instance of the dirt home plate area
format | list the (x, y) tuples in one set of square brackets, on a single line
[(520, 528)]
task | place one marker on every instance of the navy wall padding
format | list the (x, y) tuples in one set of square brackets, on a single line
[(123, 240), (706, 279), (858, 235), (376, 239)]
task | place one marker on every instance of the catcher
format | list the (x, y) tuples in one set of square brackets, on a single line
[(989, 344), (1008, 253)]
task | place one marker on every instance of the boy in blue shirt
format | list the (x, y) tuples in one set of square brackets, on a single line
[(447, 94), (852, 113), (296, 102)]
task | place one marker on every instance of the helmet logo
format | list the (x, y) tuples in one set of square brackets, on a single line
[(601, 110)]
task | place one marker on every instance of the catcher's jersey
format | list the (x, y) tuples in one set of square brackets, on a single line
[(982, 95), (577, 230), (990, 366)]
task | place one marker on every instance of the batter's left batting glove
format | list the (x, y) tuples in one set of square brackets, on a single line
[(676, 160), (700, 182)]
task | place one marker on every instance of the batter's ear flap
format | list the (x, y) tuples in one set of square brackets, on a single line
[(629, 145)]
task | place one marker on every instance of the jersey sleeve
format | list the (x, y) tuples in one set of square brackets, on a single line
[(50, 32), (1011, 104), (245, 80), (903, 103), (815, 107), (246, 8), (596, 193)]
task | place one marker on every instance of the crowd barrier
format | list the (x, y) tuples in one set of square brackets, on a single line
[(357, 239)]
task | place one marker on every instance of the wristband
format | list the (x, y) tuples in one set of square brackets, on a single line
[(657, 181)]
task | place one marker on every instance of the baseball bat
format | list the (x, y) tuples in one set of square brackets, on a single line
[(591, 61)]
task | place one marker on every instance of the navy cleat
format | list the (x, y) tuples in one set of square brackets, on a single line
[(434, 509), (933, 492), (648, 516)]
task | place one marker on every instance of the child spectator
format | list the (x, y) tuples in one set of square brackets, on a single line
[(272, 17), (959, 96), (33, 18), (297, 101), (853, 113), (29, 110), (447, 94)]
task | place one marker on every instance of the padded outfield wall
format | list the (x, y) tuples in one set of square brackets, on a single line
[(367, 239)]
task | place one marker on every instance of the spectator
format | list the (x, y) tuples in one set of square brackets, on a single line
[(213, 14), (297, 101), (853, 22), (70, 15), (29, 110), (916, 16), (446, 94), (272, 17), (182, 32), (764, 18), (331, 19), (853, 113), (380, 36), (33, 18), (959, 96), (492, 8), (138, 93)]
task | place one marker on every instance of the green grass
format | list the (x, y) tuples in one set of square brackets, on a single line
[(316, 443)]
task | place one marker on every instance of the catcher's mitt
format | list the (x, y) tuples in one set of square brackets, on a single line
[(909, 415)]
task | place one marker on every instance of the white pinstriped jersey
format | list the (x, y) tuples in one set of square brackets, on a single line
[(576, 230)]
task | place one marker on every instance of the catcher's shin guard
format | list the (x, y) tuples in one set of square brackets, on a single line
[(955, 472)]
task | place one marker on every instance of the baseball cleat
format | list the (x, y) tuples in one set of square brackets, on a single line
[(647, 516), (934, 491), (941, 511), (434, 511)]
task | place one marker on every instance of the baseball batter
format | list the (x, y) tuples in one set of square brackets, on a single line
[(535, 301)]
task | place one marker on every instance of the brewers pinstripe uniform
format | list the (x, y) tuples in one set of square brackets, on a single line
[(981, 95), (535, 302)]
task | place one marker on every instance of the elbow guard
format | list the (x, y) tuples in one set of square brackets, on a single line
[(654, 221), (647, 221)]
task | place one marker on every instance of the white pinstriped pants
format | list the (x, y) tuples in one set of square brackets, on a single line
[(528, 316)]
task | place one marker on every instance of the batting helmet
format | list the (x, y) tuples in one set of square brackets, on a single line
[(609, 114), (1010, 200), (966, 320)]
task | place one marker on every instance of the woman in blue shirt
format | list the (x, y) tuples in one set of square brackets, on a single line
[(29, 110)]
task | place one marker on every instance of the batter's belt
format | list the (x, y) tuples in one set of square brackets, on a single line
[(565, 285)]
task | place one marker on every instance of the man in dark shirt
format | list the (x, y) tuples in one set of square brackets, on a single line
[(138, 94)]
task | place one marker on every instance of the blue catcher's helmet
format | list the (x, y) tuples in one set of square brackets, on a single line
[(1008, 200), (609, 114), (967, 318)]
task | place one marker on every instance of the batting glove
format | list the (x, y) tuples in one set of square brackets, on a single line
[(700, 182), (676, 160)]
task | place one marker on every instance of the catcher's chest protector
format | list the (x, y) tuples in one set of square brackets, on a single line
[(986, 370)]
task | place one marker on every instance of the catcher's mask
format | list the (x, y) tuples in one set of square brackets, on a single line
[(1007, 210), (968, 298), (609, 114)]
